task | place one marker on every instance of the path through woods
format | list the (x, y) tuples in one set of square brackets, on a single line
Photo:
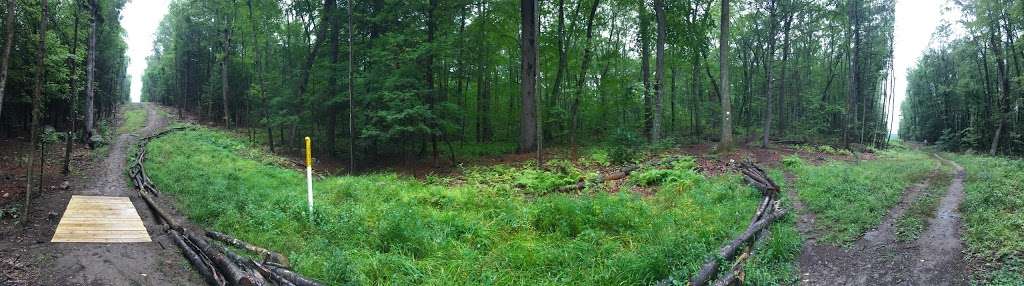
[(878, 258), (46, 263)]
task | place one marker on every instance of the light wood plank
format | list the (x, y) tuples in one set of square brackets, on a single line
[(101, 219)]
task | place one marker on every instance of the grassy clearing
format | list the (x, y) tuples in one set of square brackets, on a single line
[(134, 118), (490, 226), (993, 217), (849, 198)]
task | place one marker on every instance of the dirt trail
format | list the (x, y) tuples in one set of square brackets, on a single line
[(877, 258), (155, 263), (940, 251)]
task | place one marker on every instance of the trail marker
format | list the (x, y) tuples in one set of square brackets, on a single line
[(309, 176)]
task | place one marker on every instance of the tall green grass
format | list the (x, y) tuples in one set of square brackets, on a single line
[(484, 228), (993, 218), (849, 198), (134, 118)]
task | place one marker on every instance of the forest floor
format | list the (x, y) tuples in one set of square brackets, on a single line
[(28, 258), (880, 256)]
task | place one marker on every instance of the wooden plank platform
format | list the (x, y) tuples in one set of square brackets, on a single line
[(101, 219)]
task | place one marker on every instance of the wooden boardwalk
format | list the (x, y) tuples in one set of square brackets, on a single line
[(100, 219)]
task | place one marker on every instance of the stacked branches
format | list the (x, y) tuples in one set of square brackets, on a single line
[(216, 263), (767, 212)]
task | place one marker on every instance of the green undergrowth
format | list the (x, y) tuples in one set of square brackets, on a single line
[(134, 119), (491, 226), (850, 197), (993, 218)]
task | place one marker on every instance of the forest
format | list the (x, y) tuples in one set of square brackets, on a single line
[(510, 142), (965, 92), (378, 80)]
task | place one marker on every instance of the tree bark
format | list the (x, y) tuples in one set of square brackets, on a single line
[(37, 97), (563, 58), (351, 104), (90, 75), (528, 88), (584, 66), (659, 66), (332, 84), (72, 86), (8, 43), (995, 40), (224, 71), (723, 61), (769, 58), (645, 68)]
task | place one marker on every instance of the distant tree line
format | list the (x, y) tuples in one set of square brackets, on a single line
[(382, 79), (965, 92), (81, 36)]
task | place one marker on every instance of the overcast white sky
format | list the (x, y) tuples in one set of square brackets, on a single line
[(915, 22), (140, 19)]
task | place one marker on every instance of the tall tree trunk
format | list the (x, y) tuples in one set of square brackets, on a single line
[(723, 62), (574, 110), (672, 106), (90, 75), (224, 70), (785, 64), (645, 68), (37, 98), (431, 90), (659, 66), (528, 89), (332, 84), (73, 89), (8, 42), (563, 58), (769, 58), (351, 102), (1004, 86)]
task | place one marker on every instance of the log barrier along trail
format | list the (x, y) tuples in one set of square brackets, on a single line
[(217, 264)]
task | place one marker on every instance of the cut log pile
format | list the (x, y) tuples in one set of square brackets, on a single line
[(616, 175), (217, 264), (768, 211)]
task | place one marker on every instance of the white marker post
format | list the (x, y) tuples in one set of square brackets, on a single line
[(309, 176)]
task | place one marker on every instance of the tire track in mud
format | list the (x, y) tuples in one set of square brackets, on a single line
[(877, 258)]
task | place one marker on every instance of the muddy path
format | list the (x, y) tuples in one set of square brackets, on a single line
[(45, 263), (940, 258), (878, 258)]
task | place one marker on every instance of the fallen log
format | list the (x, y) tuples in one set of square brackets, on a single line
[(210, 275), (728, 251), (231, 271), (736, 273), (276, 278), (293, 277), (266, 254), (163, 214), (243, 263)]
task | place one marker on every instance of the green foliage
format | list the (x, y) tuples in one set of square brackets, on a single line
[(385, 229), (849, 199), (624, 145), (793, 162), (134, 119), (598, 156), (993, 216), (682, 174)]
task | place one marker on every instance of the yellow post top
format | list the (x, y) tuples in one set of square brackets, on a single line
[(309, 153)]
